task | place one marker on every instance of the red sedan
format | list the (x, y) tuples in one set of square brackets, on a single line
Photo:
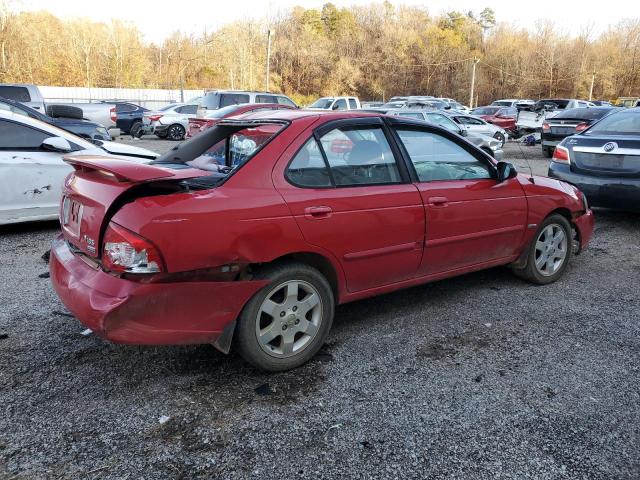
[(250, 234), (503, 117), (199, 125)]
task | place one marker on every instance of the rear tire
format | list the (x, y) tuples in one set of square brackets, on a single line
[(285, 324), (175, 132), (136, 129), (549, 252)]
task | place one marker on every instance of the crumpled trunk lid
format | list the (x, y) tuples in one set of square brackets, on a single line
[(97, 189)]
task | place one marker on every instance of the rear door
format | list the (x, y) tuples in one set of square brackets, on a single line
[(30, 177), (471, 219), (352, 198)]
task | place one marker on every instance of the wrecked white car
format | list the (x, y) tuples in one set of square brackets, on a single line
[(32, 170)]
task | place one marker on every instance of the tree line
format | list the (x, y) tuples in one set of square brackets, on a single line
[(374, 51)]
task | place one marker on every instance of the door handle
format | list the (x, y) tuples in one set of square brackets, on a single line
[(318, 212), (438, 201)]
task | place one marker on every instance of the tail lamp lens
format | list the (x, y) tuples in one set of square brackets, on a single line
[(155, 118), (581, 126), (546, 128), (126, 252), (561, 155), (112, 111)]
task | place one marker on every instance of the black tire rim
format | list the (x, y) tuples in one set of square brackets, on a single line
[(175, 132)]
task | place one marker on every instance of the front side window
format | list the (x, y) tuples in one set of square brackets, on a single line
[(307, 169), (352, 104), (265, 99), (435, 157), (14, 136), (360, 156), (443, 121), (233, 99), (341, 104), (285, 101)]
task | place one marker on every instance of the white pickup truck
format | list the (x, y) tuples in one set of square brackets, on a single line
[(335, 103), (102, 113)]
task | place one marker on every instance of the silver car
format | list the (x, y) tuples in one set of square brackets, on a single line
[(170, 122), (476, 125)]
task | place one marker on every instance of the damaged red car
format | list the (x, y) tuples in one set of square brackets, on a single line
[(248, 235)]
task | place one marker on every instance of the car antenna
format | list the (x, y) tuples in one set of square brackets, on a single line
[(524, 157)]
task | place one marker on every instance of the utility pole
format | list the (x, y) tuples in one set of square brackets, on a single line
[(473, 81), (268, 59), (593, 78)]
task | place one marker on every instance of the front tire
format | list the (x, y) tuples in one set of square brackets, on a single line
[(285, 324), (550, 251)]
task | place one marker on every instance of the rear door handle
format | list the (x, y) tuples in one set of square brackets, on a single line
[(438, 201), (318, 212)]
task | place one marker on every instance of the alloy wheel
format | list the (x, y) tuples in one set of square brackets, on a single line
[(289, 318), (551, 249), (175, 132)]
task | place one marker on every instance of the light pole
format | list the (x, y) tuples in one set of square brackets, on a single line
[(268, 59), (473, 81), (593, 78)]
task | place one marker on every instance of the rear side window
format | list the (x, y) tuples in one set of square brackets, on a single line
[(435, 157), (360, 157), (187, 109), (285, 101), (307, 168), (265, 99), (14, 136), (233, 99), (352, 104), (125, 108), (19, 94)]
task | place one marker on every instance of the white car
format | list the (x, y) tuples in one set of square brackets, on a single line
[(32, 169), (477, 125), (170, 122)]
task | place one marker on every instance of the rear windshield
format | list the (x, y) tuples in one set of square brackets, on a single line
[(322, 103), (502, 103), (554, 103), (485, 111), (223, 148), (584, 113), (621, 123)]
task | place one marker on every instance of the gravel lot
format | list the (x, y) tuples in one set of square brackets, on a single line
[(481, 376)]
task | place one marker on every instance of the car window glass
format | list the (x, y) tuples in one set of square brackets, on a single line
[(285, 101), (341, 104), (19, 94), (233, 99), (265, 99), (411, 115), (308, 168), (621, 123), (190, 109), (16, 136), (473, 121), (438, 158), (352, 104), (360, 156), (11, 108), (443, 122)]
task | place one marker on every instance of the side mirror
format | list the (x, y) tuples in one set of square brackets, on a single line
[(506, 171), (56, 144)]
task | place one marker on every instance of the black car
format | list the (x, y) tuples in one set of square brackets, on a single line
[(604, 161), (569, 122), (58, 117), (128, 116)]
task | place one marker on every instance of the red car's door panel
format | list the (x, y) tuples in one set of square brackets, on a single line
[(471, 222)]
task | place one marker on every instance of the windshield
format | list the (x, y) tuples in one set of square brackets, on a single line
[(322, 103), (224, 111), (621, 123), (554, 103), (485, 111)]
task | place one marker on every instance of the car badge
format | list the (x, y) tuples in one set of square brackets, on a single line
[(610, 146)]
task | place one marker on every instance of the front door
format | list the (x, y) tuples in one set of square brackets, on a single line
[(472, 218), (351, 197)]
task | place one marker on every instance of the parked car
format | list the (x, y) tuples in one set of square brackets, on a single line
[(569, 122), (170, 122), (477, 125), (30, 95), (503, 117), (298, 245), (489, 145), (558, 104), (129, 117), (604, 161), (199, 125), (82, 128), (215, 99), (335, 103), (32, 170), (371, 104)]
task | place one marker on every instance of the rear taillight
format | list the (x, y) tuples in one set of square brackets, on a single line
[(127, 252), (581, 126), (155, 118), (546, 128), (561, 155), (112, 112)]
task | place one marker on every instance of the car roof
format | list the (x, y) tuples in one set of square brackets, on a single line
[(293, 115)]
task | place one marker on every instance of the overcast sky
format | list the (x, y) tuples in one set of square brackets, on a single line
[(157, 21)]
